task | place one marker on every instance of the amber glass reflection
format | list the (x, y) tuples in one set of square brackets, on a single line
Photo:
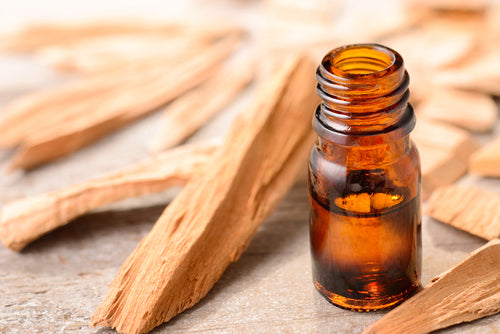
[(364, 181)]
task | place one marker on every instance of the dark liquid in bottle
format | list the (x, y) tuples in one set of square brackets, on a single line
[(364, 249)]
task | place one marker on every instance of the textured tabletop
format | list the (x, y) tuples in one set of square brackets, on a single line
[(56, 283)]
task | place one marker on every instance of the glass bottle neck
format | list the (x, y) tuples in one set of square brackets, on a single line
[(364, 92)]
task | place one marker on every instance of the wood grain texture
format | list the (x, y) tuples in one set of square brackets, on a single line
[(107, 53), (466, 292), (212, 221), (37, 36), (25, 220), (480, 73), (486, 160), (444, 152), (468, 208), (90, 119), (45, 111), (469, 110), (191, 111)]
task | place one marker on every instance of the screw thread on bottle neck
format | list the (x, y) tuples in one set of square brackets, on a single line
[(365, 94)]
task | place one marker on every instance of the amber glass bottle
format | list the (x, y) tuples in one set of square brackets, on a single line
[(364, 181)]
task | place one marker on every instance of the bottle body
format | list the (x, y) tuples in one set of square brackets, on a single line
[(365, 228), (364, 192)]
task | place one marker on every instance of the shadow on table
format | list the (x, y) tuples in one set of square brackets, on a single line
[(99, 226), (286, 226), (450, 238)]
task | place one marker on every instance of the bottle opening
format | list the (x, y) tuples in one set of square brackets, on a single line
[(358, 60), (364, 92)]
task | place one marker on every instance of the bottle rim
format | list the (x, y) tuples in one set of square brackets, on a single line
[(384, 61)]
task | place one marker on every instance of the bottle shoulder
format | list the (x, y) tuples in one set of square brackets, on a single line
[(374, 157), (401, 170)]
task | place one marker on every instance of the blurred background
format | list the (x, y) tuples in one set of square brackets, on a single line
[(90, 87), (451, 50)]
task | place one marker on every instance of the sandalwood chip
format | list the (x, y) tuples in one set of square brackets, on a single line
[(108, 53), (452, 5), (444, 153), (441, 46), (480, 73), (36, 36), (191, 111), (466, 292), (469, 110), (210, 223), (86, 116), (467, 208), (493, 18), (486, 161), (25, 220)]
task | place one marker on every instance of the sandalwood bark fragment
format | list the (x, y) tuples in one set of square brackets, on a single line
[(39, 35), (25, 220), (441, 45), (87, 120), (473, 6), (35, 36), (191, 111), (466, 292), (444, 153), (37, 111), (469, 110), (468, 208), (480, 73), (109, 53), (486, 161), (211, 222)]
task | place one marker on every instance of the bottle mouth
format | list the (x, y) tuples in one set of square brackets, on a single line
[(364, 91), (363, 76), (359, 60)]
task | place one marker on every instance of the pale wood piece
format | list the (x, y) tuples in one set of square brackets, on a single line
[(468, 291), (486, 161), (35, 111), (432, 46), (25, 220), (438, 168), (469, 110), (315, 12), (480, 73), (444, 153), (113, 52), (191, 111), (493, 19), (303, 29), (41, 110), (212, 221), (36, 36), (90, 119), (468, 208), (477, 6)]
